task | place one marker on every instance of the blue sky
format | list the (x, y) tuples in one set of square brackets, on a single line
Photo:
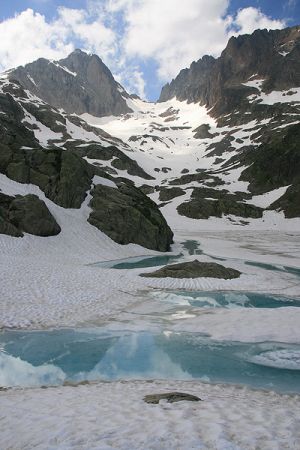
[(144, 42)]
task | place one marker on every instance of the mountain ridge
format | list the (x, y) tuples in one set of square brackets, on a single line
[(215, 82)]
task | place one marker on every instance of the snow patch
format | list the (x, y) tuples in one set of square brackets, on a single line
[(74, 74)]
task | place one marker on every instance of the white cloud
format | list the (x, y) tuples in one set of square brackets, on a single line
[(249, 19), (172, 32), (90, 30), (29, 36), (136, 84)]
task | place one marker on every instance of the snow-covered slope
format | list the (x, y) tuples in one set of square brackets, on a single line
[(182, 147)]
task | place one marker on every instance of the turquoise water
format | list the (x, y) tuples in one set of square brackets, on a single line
[(232, 299), (286, 269), (52, 357), (192, 247), (292, 270), (139, 262), (265, 266)]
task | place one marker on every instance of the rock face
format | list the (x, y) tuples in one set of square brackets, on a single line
[(171, 397), (271, 55), (26, 214), (13, 133), (194, 269), (63, 176), (127, 215), (274, 164), (79, 84)]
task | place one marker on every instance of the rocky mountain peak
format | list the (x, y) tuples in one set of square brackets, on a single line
[(79, 60), (80, 83), (271, 55)]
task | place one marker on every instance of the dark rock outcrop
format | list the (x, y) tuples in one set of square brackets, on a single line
[(289, 203), (63, 176), (146, 189), (26, 214), (207, 202), (127, 215), (200, 177), (171, 397), (166, 194), (202, 132), (80, 83), (194, 269)]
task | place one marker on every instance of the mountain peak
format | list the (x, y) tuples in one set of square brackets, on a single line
[(80, 83), (78, 53)]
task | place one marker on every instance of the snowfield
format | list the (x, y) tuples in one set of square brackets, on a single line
[(107, 416)]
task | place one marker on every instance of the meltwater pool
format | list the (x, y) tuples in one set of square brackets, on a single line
[(41, 358)]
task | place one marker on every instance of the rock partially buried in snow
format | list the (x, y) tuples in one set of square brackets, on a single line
[(171, 397), (194, 269)]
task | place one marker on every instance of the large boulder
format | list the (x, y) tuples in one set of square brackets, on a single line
[(194, 269), (127, 215), (26, 214)]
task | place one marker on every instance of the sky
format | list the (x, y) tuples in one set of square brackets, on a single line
[(145, 43)]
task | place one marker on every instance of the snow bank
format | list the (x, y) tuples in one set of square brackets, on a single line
[(113, 415)]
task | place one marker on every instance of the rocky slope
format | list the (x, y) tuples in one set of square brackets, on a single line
[(69, 160)]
